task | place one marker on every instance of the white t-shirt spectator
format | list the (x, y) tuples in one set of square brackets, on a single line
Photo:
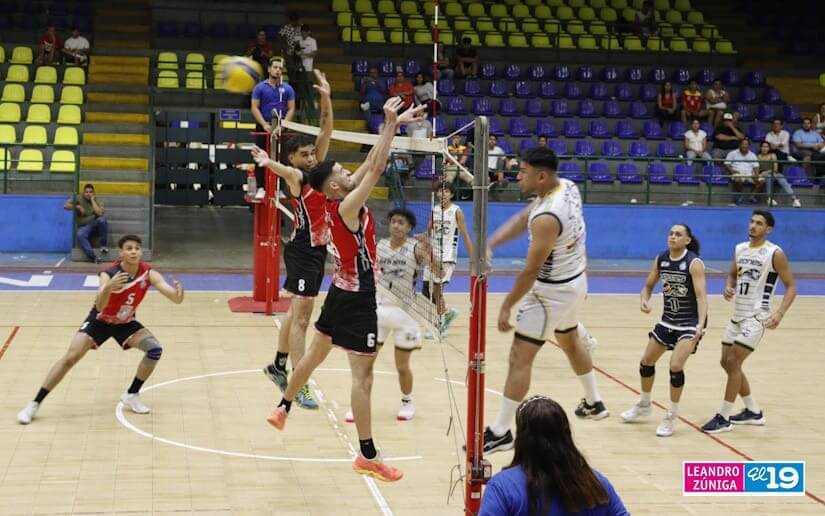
[(781, 140), (308, 47), (78, 43), (696, 141), (421, 129), (493, 157), (739, 163)]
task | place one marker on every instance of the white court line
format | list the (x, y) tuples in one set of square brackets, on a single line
[(456, 382), (60, 262)]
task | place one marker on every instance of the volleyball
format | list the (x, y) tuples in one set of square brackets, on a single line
[(240, 74)]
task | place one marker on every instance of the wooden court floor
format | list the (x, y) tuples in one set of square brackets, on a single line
[(207, 449)]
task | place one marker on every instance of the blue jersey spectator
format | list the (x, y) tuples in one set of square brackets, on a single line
[(373, 92)]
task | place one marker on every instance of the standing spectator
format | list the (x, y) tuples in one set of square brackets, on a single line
[(692, 102), (548, 474), (726, 137), (290, 43), (696, 143), (717, 102), (308, 47), (260, 49), (90, 222), (76, 48), (50, 46), (808, 145), (743, 168), (769, 173), (496, 163), (445, 69), (819, 120), (373, 93), (402, 88), (466, 57), (666, 104), (270, 95), (779, 139)]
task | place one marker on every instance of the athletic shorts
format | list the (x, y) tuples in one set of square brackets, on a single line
[(394, 321), (101, 331), (550, 308), (304, 269), (747, 332), (669, 337), (447, 269), (350, 320)]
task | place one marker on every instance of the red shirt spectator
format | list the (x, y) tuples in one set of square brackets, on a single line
[(692, 98), (260, 50), (50, 45), (404, 89)]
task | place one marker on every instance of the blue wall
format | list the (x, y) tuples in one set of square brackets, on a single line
[(622, 231), (35, 223)]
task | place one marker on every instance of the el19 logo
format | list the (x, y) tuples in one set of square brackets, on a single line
[(781, 478)]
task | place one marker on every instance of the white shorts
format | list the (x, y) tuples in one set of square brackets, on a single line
[(393, 320), (447, 269), (747, 332), (550, 308)]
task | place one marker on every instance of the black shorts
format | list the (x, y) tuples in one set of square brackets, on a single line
[(668, 337), (304, 269), (350, 320), (101, 331)]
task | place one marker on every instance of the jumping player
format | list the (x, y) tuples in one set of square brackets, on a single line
[(751, 283), (683, 321), (555, 285), (348, 317), (122, 287), (306, 251)]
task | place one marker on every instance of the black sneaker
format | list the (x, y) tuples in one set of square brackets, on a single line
[(277, 376), (595, 411), (717, 425), (494, 443), (748, 417)]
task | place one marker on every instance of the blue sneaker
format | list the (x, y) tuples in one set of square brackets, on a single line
[(717, 425), (277, 376), (748, 417), (305, 399)]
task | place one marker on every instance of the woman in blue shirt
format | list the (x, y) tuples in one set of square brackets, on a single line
[(548, 475)]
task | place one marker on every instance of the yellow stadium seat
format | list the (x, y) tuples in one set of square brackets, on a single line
[(555, 3), (9, 112), (74, 75), (587, 42), (701, 45), (363, 6), (575, 27), (687, 30), (34, 135), (822, 80), (493, 39), (167, 61), (393, 22), (598, 28), (369, 21), (608, 15), (695, 17), (518, 40), (422, 37), (682, 5), (485, 25), (350, 35), (45, 75), (409, 7), (217, 82), (344, 19), (17, 73), (576, 4), (540, 41), (195, 61), (71, 95), (428, 8), (43, 93), (2, 55), (399, 37), (65, 136), (30, 160), (674, 17), (679, 45), (552, 28), (710, 31), (598, 4), (216, 60), (587, 14), (13, 93), (637, 4), (474, 39), (543, 12), (376, 36), (618, 4), (521, 11), (339, 6), (69, 115), (611, 43), (499, 11), (633, 43), (462, 24), (446, 37), (195, 81), (656, 44), (723, 46), (530, 27), (628, 14), (168, 79), (476, 10), (5, 159), (22, 55), (8, 134), (417, 23), (39, 114), (565, 13), (566, 41), (386, 7), (533, 3), (63, 161), (661, 5), (454, 9), (507, 25)]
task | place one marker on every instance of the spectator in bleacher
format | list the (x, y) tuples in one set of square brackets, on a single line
[(302, 83), (819, 120), (717, 102), (76, 49), (90, 222), (458, 151), (808, 146), (769, 173), (308, 49), (420, 129), (696, 143), (692, 103), (50, 44), (666, 106), (466, 59), (496, 162), (403, 88), (541, 141), (290, 43), (646, 22), (260, 49), (779, 140), (373, 93), (425, 94), (445, 69), (726, 137), (743, 168)]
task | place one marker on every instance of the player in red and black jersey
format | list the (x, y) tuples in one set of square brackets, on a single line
[(123, 284), (348, 317)]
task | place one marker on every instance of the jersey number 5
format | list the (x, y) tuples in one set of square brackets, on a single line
[(130, 299)]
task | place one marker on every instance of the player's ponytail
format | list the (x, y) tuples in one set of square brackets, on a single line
[(693, 246)]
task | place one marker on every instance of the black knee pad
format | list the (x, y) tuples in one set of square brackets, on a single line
[(677, 378), (646, 371)]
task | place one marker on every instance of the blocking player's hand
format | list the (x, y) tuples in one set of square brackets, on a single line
[(728, 293), (504, 319), (391, 110), (412, 115), (645, 306), (321, 84), (773, 321), (117, 281), (260, 156)]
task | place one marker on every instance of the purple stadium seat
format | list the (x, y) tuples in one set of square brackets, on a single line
[(772, 96), (653, 131), (731, 78), (360, 67), (625, 131), (189, 30), (488, 71), (495, 127), (747, 95), (504, 143), (560, 109), (375, 121), (792, 114), (472, 88), (764, 113), (639, 150), (462, 121), (386, 68), (524, 90), (600, 173), (446, 87), (545, 128), (797, 177), (667, 150), (548, 90), (455, 106), (634, 75), (649, 92), (572, 90), (657, 174), (657, 75), (508, 107), (755, 133), (629, 174), (526, 144), (684, 175), (535, 72), (611, 149), (638, 109), (676, 131), (713, 175), (220, 30), (599, 91), (482, 106), (535, 107), (584, 74), (612, 109), (586, 109), (571, 171), (681, 76), (499, 88), (704, 76), (167, 29), (610, 74), (598, 129), (745, 113), (561, 72), (572, 129), (424, 170), (412, 68), (440, 126), (512, 72), (584, 149), (755, 79), (558, 146), (623, 92), (705, 126)]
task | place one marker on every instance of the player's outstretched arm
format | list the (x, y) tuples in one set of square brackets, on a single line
[(173, 292), (107, 286), (650, 283), (291, 175), (697, 274), (325, 93), (783, 268)]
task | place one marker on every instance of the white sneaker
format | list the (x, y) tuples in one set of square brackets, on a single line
[(796, 203), (348, 417), (134, 403), (589, 341), (406, 411), (24, 417), (636, 412), (774, 203), (260, 194), (665, 428)]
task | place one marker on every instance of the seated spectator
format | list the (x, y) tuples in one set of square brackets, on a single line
[(466, 59), (696, 143), (445, 68), (401, 163), (76, 49), (743, 168), (769, 173), (726, 137), (779, 140), (420, 129), (496, 163), (90, 222), (819, 120), (373, 93), (50, 45), (646, 22), (717, 101), (453, 172), (425, 94), (260, 50), (541, 141), (808, 146), (666, 106), (548, 474), (402, 88), (692, 102)]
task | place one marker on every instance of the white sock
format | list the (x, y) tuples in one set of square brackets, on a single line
[(506, 413), (674, 407), (751, 404), (726, 409), (644, 398), (591, 392)]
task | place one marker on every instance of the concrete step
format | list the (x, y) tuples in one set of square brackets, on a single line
[(141, 69), (129, 188), (98, 59), (107, 127), (140, 79), (120, 139), (114, 118), (115, 151), (118, 88), (121, 12), (350, 125), (117, 176), (78, 256), (114, 163), (117, 98), (116, 108), (102, 28), (334, 67), (118, 51), (125, 43), (128, 226), (344, 104), (127, 201)]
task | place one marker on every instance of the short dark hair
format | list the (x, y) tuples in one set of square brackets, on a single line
[(320, 174), (466, 40), (128, 238), (807, 119), (293, 17), (778, 120), (296, 141), (74, 28), (89, 185), (404, 212), (541, 157), (305, 27), (745, 139), (765, 214)]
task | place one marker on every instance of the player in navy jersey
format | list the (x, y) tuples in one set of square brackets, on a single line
[(122, 287), (348, 318), (305, 253), (683, 321)]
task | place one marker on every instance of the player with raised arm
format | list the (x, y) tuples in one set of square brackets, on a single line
[(122, 288)]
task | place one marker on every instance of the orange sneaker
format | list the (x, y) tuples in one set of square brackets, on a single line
[(278, 418), (376, 468)]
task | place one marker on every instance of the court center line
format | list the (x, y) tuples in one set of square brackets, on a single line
[(8, 340)]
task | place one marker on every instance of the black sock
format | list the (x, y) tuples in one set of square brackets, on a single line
[(135, 387), (286, 404), (280, 361), (41, 395), (368, 448)]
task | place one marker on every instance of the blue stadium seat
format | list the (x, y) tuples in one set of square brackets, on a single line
[(772, 96), (412, 68), (747, 95), (548, 90), (657, 174), (798, 178), (731, 78), (610, 74), (504, 143), (561, 72), (472, 88), (220, 30), (572, 91), (586, 109), (535, 107), (524, 89), (625, 130), (612, 109), (560, 108), (446, 87), (638, 109), (623, 92), (512, 72), (508, 107), (792, 114), (440, 126), (558, 146), (572, 129), (519, 127), (482, 106), (585, 74), (634, 75), (629, 174), (455, 106), (535, 72), (375, 121), (495, 127), (705, 76), (756, 133), (598, 129), (600, 173), (386, 68), (361, 67), (657, 75), (683, 175), (667, 150), (572, 171), (649, 93), (676, 131), (424, 170), (639, 150), (611, 149), (488, 71), (191, 30), (764, 113), (755, 79), (681, 76), (599, 91), (167, 29), (545, 127), (499, 88), (526, 144), (705, 126), (745, 112), (712, 174), (652, 131), (463, 121)]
